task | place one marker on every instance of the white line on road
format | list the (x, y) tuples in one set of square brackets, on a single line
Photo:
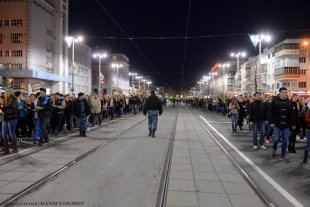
[(281, 190)]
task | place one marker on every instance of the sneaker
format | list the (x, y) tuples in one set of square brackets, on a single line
[(262, 147), (284, 159), (267, 141), (255, 146), (304, 161)]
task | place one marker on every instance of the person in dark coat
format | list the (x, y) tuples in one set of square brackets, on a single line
[(81, 110), (153, 108), (281, 118), (258, 117)]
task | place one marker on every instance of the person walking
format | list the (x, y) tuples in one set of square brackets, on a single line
[(81, 110), (95, 109), (293, 132), (153, 108), (281, 117), (233, 112), (258, 118)]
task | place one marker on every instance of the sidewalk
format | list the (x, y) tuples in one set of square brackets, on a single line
[(21, 173), (201, 174)]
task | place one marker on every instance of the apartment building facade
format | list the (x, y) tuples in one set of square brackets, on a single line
[(33, 52)]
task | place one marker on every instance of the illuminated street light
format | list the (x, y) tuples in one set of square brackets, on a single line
[(99, 56), (71, 40), (117, 66)]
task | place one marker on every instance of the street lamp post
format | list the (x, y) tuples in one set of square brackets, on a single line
[(224, 66), (99, 56), (213, 74), (132, 76), (237, 56), (148, 86), (117, 66), (71, 40)]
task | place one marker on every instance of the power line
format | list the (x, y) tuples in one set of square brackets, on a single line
[(186, 39), (132, 42), (180, 37)]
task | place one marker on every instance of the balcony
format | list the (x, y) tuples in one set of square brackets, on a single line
[(287, 53), (287, 73)]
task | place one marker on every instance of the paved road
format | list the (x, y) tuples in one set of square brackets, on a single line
[(293, 177), (126, 172)]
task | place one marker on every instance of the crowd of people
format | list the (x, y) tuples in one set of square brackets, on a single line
[(39, 115), (276, 119)]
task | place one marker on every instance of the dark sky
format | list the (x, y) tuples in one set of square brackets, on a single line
[(156, 18)]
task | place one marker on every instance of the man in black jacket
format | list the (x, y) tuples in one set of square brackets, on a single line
[(81, 110), (153, 107), (258, 116), (281, 118)]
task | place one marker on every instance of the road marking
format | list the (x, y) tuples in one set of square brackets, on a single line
[(281, 190)]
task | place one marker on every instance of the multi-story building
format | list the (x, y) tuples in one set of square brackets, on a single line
[(115, 80), (33, 52), (82, 76), (284, 65)]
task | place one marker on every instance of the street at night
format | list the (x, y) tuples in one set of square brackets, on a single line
[(177, 103)]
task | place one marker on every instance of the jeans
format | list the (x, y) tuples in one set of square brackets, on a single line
[(1, 141), (284, 134), (234, 119), (37, 129), (9, 127), (261, 126), (307, 148)]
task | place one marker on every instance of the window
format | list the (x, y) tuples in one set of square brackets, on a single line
[(16, 38), (303, 71), (6, 22), (16, 22), (1, 53), (7, 53), (286, 84), (1, 38), (16, 66), (1, 23), (16, 53), (302, 84), (302, 59), (278, 85)]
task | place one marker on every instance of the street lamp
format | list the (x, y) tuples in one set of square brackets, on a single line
[(148, 85), (132, 76), (71, 40), (237, 56), (213, 74), (139, 78), (117, 66), (99, 56)]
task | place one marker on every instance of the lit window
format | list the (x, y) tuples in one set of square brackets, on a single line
[(16, 38)]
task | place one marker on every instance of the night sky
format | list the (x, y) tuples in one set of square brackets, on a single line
[(226, 22)]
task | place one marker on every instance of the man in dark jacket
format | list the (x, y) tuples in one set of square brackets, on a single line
[(81, 110), (258, 116), (153, 108), (281, 118)]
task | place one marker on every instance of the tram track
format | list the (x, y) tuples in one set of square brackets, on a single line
[(32, 150), (164, 184), (241, 171), (9, 201)]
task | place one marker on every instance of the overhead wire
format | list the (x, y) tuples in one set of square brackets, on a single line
[(132, 42), (186, 39), (180, 37)]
